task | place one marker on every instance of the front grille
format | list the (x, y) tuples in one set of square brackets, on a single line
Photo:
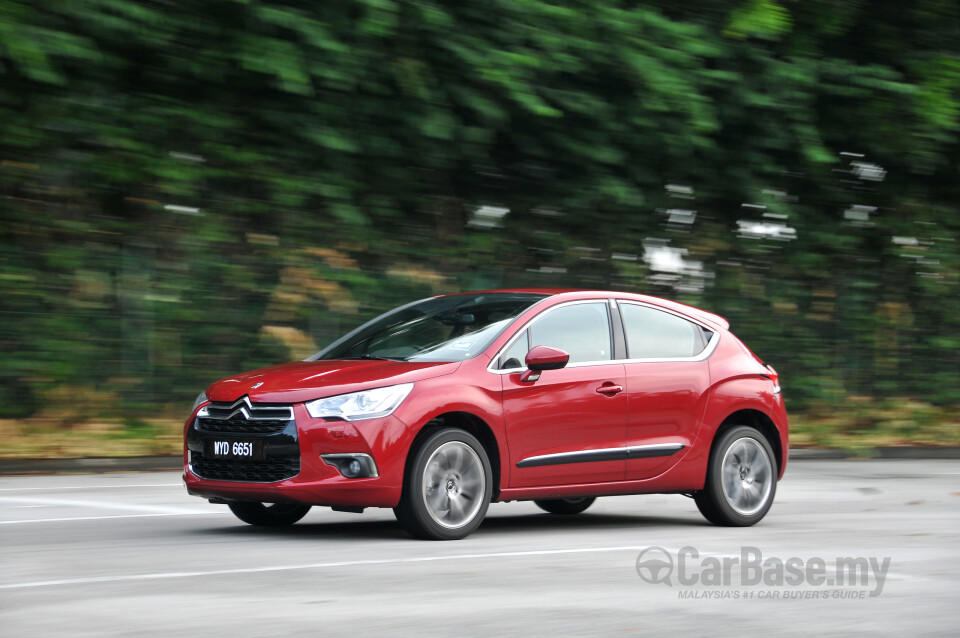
[(242, 407), (239, 425), (244, 417), (268, 471)]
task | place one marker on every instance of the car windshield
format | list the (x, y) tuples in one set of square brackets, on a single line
[(450, 328)]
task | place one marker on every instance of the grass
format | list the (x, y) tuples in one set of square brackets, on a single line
[(39, 438), (861, 423), (857, 425)]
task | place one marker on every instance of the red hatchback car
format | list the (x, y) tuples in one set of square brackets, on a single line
[(441, 406)]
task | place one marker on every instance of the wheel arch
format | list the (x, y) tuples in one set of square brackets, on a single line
[(759, 421), (467, 422)]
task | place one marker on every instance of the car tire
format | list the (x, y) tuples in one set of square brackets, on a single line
[(741, 479), (447, 488), (566, 506), (269, 514)]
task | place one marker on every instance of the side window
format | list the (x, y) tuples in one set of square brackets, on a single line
[(652, 334), (581, 330)]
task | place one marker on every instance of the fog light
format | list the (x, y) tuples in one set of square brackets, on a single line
[(352, 465)]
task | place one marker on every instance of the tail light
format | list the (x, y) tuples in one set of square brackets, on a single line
[(774, 377)]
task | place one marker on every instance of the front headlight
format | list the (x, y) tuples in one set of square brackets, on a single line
[(201, 398), (357, 406)]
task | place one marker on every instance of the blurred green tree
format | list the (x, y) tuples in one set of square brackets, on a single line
[(191, 188)]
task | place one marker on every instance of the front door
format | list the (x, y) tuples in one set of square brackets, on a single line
[(568, 426)]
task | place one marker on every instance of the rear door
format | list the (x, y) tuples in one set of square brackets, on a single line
[(667, 381)]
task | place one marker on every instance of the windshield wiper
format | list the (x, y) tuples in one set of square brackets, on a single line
[(373, 357)]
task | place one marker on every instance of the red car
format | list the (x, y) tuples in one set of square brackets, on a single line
[(441, 406)]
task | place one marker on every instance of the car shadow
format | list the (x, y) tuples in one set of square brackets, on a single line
[(334, 530), (361, 529), (585, 521)]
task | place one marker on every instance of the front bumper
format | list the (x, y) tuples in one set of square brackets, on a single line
[(295, 455)]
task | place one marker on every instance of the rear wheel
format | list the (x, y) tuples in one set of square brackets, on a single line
[(448, 487), (741, 479), (269, 514), (566, 506)]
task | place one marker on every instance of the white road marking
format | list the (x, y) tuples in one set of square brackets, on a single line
[(346, 563), (351, 563), (104, 505), (84, 487), (101, 518)]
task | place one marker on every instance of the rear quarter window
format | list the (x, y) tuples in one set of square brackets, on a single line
[(654, 334)]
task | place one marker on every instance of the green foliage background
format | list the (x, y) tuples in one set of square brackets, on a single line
[(191, 188)]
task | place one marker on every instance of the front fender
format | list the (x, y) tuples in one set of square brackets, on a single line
[(431, 400)]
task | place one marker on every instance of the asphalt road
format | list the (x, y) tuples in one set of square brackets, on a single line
[(132, 554)]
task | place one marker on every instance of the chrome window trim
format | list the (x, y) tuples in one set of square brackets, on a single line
[(605, 302), (614, 306)]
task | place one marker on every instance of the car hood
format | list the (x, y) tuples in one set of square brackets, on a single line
[(308, 380)]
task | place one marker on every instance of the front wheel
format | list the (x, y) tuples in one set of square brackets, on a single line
[(269, 514), (566, 506), (741, 479), (448, 487)]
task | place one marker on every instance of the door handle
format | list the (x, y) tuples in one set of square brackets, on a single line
[(610, 389)]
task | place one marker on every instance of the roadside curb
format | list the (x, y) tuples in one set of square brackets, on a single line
[(915, 453), (91, 465), (175, 462), (805, 454)]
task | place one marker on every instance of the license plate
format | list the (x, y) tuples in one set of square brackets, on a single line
[(242, 450)]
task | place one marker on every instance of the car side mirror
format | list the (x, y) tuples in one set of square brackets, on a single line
[(542, 358)]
